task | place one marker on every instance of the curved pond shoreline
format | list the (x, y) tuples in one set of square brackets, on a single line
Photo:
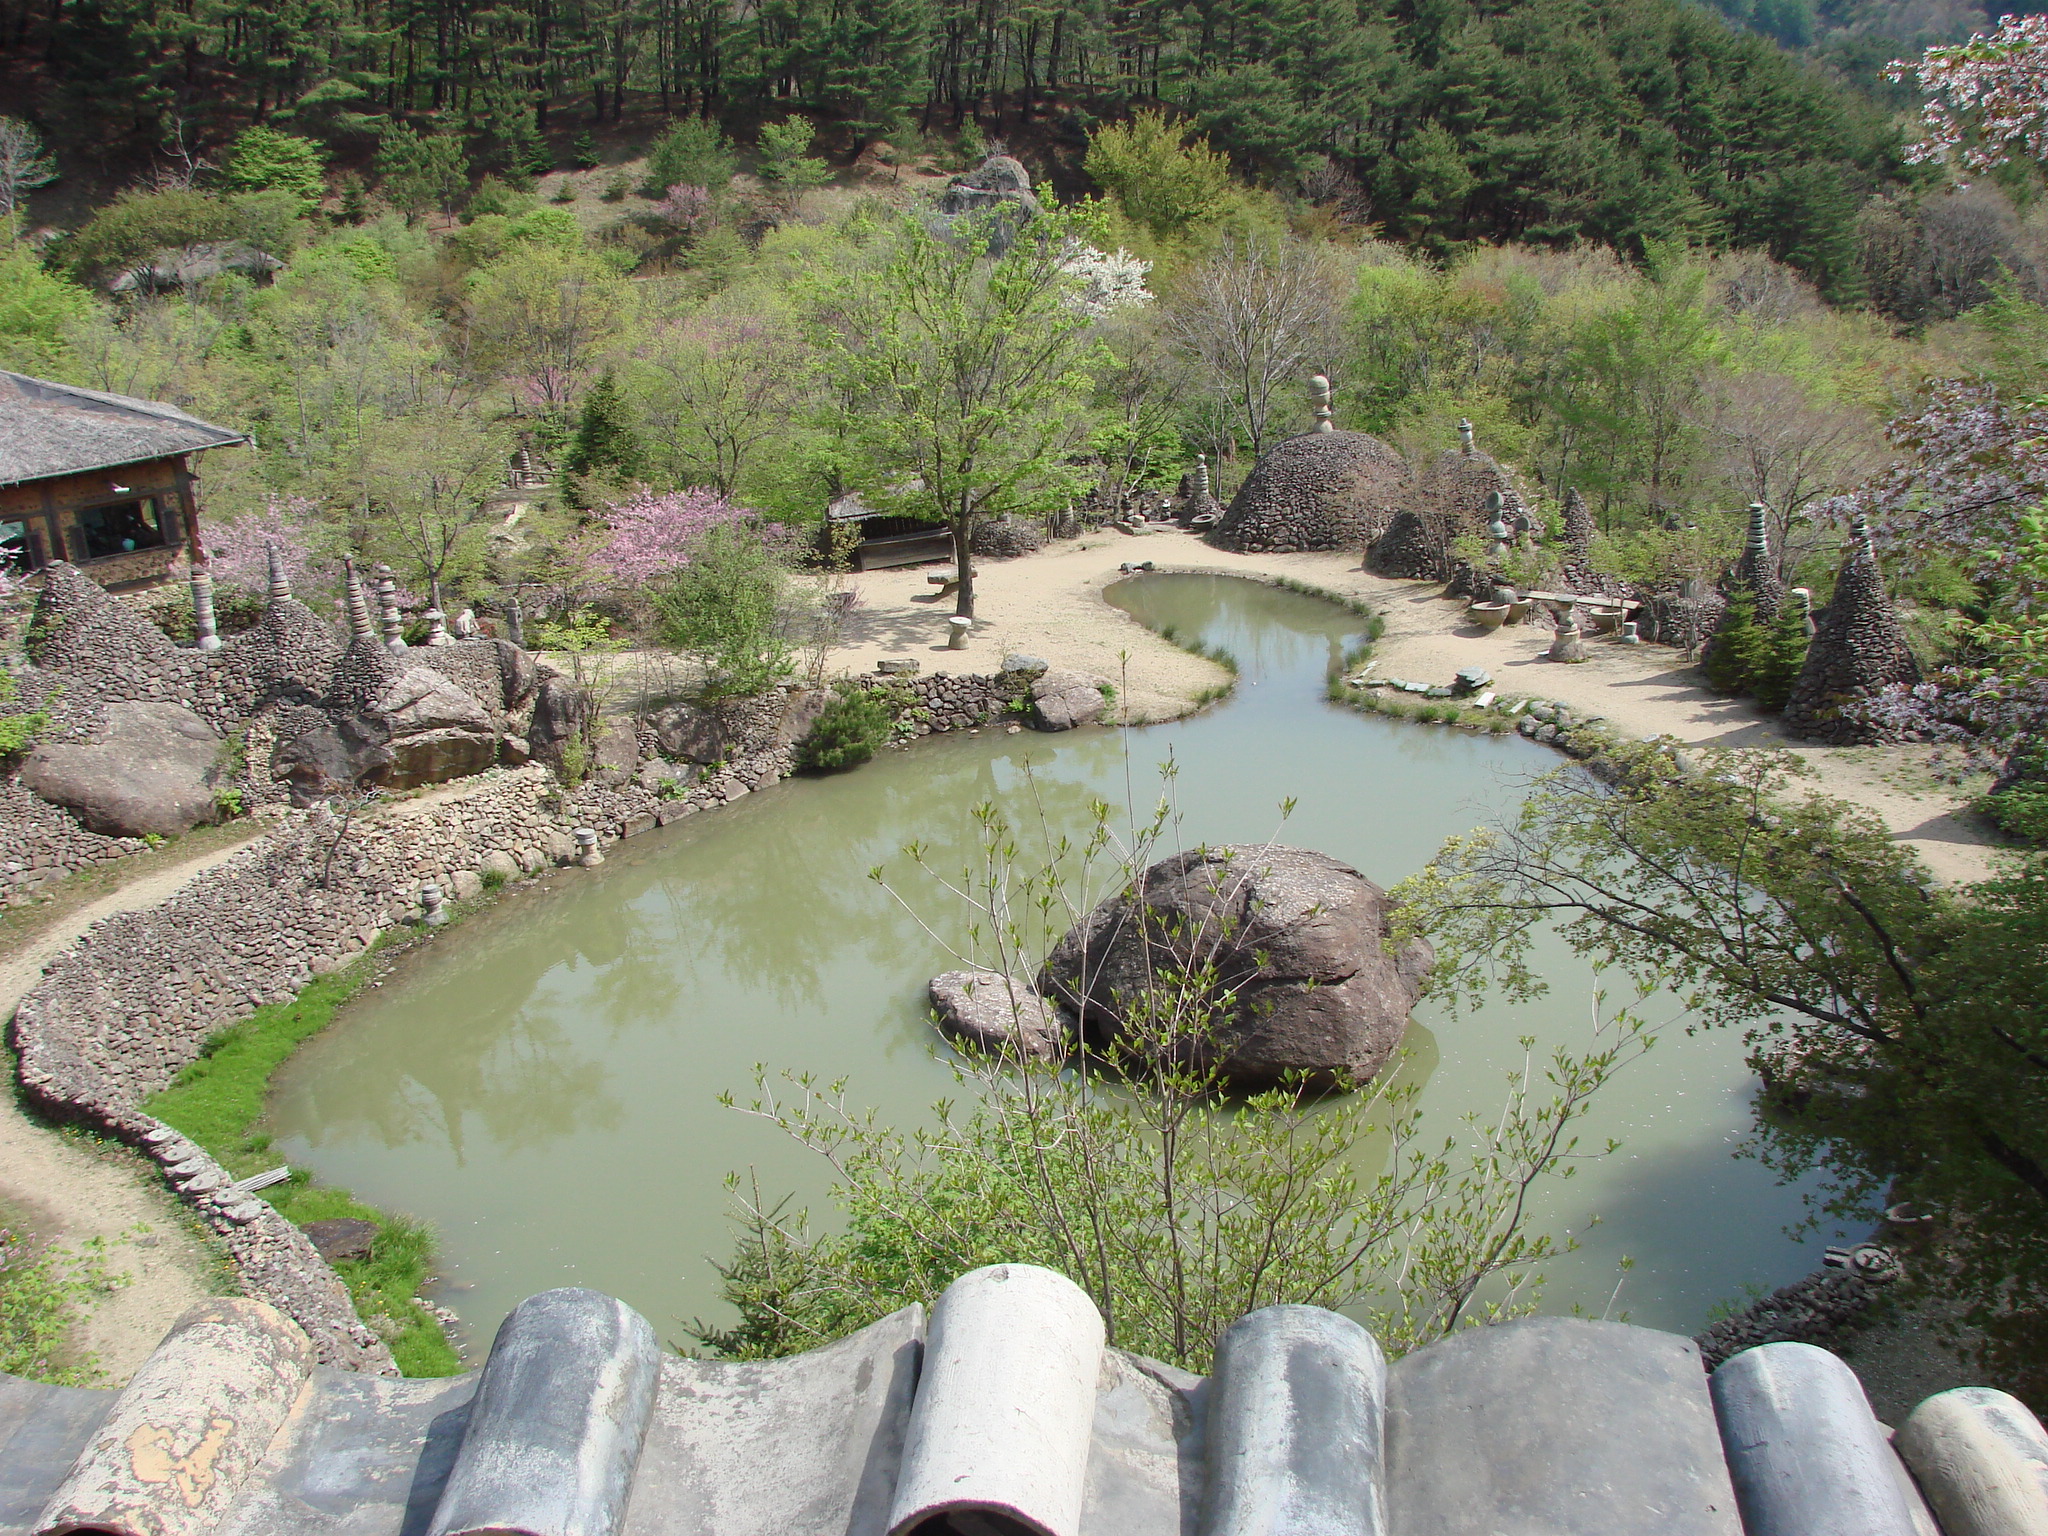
[(544, 1091)]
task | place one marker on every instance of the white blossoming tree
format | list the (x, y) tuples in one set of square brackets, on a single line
[(1104, 283), (1987, 99)]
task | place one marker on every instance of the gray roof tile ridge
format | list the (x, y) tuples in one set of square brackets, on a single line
[(31, 385), (1015, 1418)]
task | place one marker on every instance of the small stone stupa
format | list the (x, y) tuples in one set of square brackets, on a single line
[(1326, 489), (1757, 571), (1858, 650)]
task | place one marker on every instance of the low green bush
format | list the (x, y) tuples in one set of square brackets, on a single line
[(2020, 812), (848, 731)]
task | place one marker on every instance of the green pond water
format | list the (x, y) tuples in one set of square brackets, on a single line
[(542, 1084)]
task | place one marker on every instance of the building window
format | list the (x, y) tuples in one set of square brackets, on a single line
[(21, 545), (121, 526)]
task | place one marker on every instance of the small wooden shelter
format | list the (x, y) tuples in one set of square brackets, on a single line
[(873, 541), (99, 480)]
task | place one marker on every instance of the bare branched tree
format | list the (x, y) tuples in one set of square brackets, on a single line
[(1258, 319), (23, 164), (1773, 442)]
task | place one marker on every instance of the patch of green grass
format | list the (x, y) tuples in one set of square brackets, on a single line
[(1405, 707), (218, 1102)]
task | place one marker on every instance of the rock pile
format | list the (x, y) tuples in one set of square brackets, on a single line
[(1858, 651), (1322, 490), (1007, 538), (997, 195)]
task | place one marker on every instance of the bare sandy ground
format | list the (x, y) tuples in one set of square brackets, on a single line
[(76, 1189), (1051, 605)]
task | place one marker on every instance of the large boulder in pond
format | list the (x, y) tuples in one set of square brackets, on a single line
[(149, 769), (1304, 988)]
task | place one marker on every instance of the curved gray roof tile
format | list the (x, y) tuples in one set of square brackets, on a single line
[(49, 429), (1012, 1418)]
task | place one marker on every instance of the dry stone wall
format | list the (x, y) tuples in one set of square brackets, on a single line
[(133, 1002)]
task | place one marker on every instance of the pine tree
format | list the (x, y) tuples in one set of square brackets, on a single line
[(1733, 654), (1783, 653), (605, 443)]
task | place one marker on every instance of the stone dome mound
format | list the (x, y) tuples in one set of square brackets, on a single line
[(1321, 490)]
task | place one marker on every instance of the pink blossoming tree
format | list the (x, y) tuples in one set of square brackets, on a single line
[(647, 536), (236, 552)]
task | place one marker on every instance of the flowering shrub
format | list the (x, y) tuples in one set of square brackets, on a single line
[(1987, 98), (1102, 282), (648, 536), (1974, 466), (684, 207)]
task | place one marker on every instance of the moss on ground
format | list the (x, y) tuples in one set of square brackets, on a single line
[(218, 1102)]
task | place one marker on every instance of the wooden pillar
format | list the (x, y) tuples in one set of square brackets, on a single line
[(188, 509)]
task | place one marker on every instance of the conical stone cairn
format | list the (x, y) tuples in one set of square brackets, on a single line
[(1859, 649)]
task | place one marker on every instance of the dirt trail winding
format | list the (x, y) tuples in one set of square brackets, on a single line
[(75, 1189)]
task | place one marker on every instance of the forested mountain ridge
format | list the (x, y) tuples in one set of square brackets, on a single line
[(1545, 121)]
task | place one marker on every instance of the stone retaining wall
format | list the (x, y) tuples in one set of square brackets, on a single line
[(133, 1002)]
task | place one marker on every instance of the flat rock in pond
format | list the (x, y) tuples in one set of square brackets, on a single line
[(989, 1012)]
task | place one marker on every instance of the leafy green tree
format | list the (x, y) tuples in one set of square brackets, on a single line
[(1161, 175), (420, 481), (1628, 389), (1900, 1030), (137, 223), (37, 308), (963, 378), (786, 164), (728, 610), (264, 160), (691, 152)]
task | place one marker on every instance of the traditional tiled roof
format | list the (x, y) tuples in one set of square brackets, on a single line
[(1005, 1415), (51, 429)]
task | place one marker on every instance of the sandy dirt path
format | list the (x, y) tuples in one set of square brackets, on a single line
[(1051, 605), (74, 1189)]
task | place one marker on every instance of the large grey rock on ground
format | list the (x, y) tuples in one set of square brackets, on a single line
[(1062, 700), (342, 753), (421, 699), (560, 708), (149, 770), (1304, 985), (983, 1010), (434, 757)]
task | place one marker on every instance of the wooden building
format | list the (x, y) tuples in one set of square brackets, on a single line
[(99, 480)]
